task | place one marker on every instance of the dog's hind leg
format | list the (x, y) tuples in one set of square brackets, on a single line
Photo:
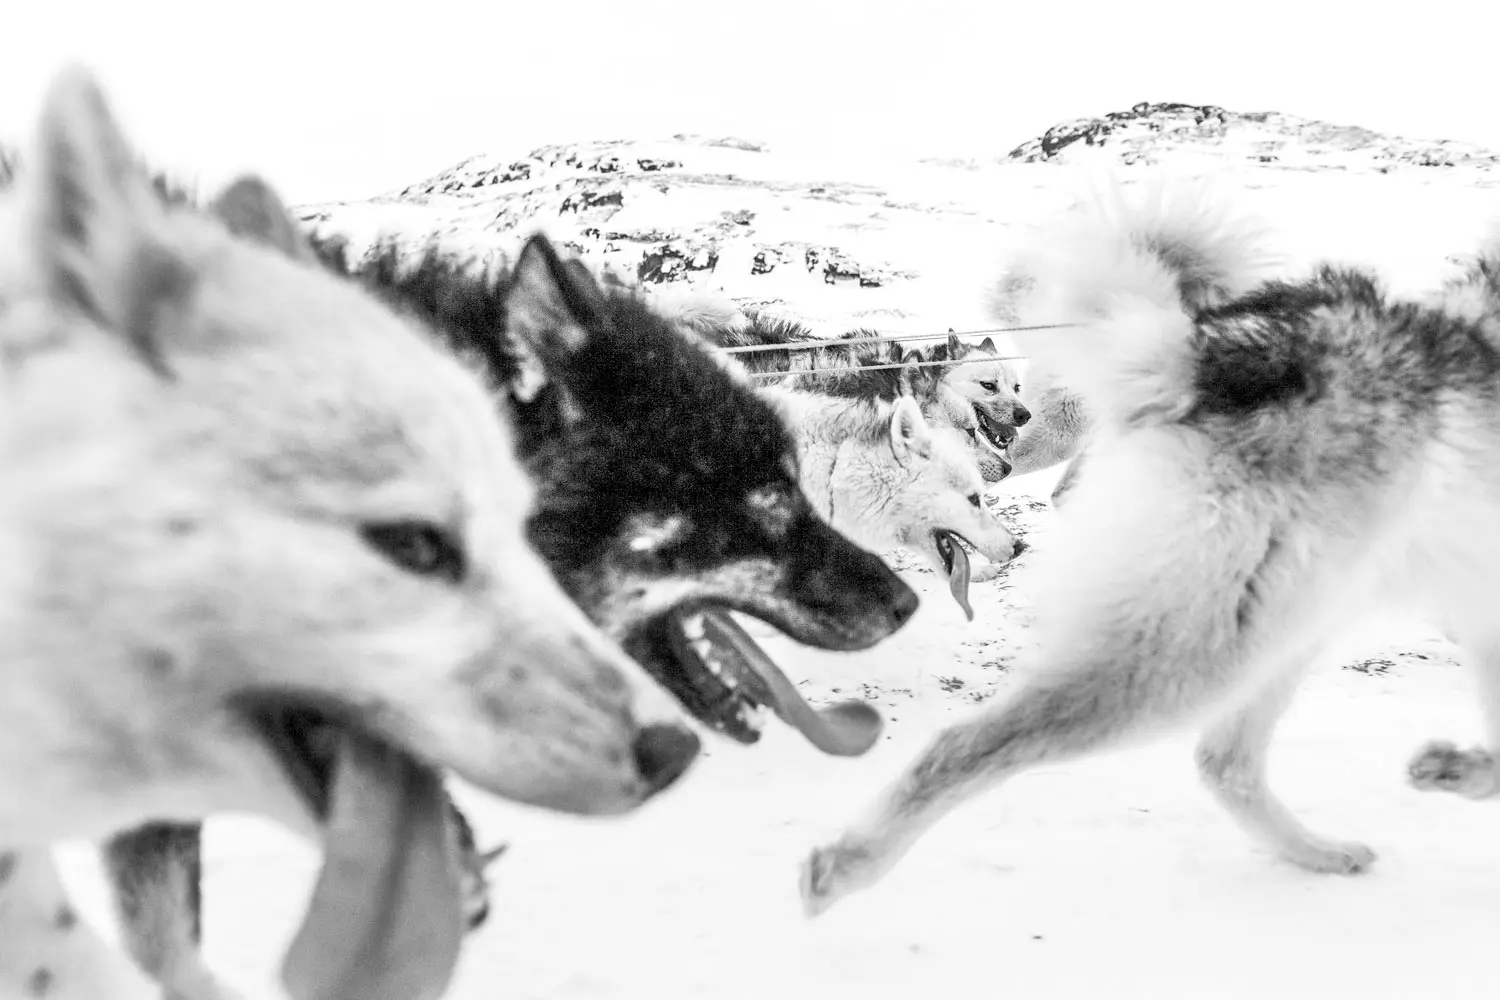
[(1056, 716), (1473, 773), (156, 874), (1231, 758)]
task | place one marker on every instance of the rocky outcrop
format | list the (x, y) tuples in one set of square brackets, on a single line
[(1149, 131), (855, 238), (665, 212)]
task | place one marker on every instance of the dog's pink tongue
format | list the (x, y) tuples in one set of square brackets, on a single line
[(958, 578), (847, 729), (386, 916)]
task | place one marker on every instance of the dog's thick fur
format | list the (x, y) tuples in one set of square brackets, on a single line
[(662, 481), (226, 478), (1267, 462), (1060, 414), (967, 387)]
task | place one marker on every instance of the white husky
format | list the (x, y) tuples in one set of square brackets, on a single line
[(261, 550)]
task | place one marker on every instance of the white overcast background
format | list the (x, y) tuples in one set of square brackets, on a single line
[(342, 100)]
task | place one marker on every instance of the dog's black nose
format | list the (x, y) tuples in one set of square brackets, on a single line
[(1017, 548), (1020, 415), (663, 754), (904, 606)]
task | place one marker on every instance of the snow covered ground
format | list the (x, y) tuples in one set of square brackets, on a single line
[(1115, 876)]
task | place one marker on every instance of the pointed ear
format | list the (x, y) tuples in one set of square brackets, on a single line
[(987, 345), (550, 309), (955, 346), (96, 225), (251, 210), (910, 436), (552, 303)]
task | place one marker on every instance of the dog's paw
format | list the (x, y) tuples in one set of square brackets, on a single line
[(831, 873), (1441, 766), (1333, 857)]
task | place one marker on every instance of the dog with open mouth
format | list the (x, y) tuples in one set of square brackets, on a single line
[(667, 493), (880, 474), (871, 461), (265, 551)]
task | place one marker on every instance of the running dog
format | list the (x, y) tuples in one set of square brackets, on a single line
[(263, 549), (1268, 460), (666, 495)]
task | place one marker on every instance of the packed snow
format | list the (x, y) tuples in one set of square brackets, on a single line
[(1115, 876)]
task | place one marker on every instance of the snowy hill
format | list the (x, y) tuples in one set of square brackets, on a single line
[(1149, 132), (903, 245)]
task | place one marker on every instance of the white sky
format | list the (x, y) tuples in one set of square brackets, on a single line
[(341, 100)]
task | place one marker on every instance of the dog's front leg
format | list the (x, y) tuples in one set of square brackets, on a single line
[(1232, 761), (156, 874), (1053, 717)]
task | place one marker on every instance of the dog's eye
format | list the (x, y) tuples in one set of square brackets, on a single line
[(988, 386), (974, 499), (418, 547), (1016, 388)]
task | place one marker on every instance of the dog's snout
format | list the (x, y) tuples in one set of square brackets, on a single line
[(663, 753), (1017, 547), (904, 606), (1020, 415)]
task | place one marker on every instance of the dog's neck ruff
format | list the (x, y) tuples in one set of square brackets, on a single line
[(46, 950)]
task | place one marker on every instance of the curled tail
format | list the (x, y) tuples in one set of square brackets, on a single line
[(1475, 294), (1133, 273)]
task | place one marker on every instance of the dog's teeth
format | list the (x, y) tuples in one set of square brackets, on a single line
[(706, 653), (754, 716), (693, 627)]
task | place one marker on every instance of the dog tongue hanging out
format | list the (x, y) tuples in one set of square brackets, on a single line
[(262, 549)]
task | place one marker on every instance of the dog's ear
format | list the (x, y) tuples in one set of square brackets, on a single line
[(955, 346), (910, 435), (550, 311), (251, 210), (97, 223), (924, 379), (988, 345), (552, 303)]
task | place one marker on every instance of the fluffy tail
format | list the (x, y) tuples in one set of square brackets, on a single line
[(1133, 272), (1475, 294), (705, 313)]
